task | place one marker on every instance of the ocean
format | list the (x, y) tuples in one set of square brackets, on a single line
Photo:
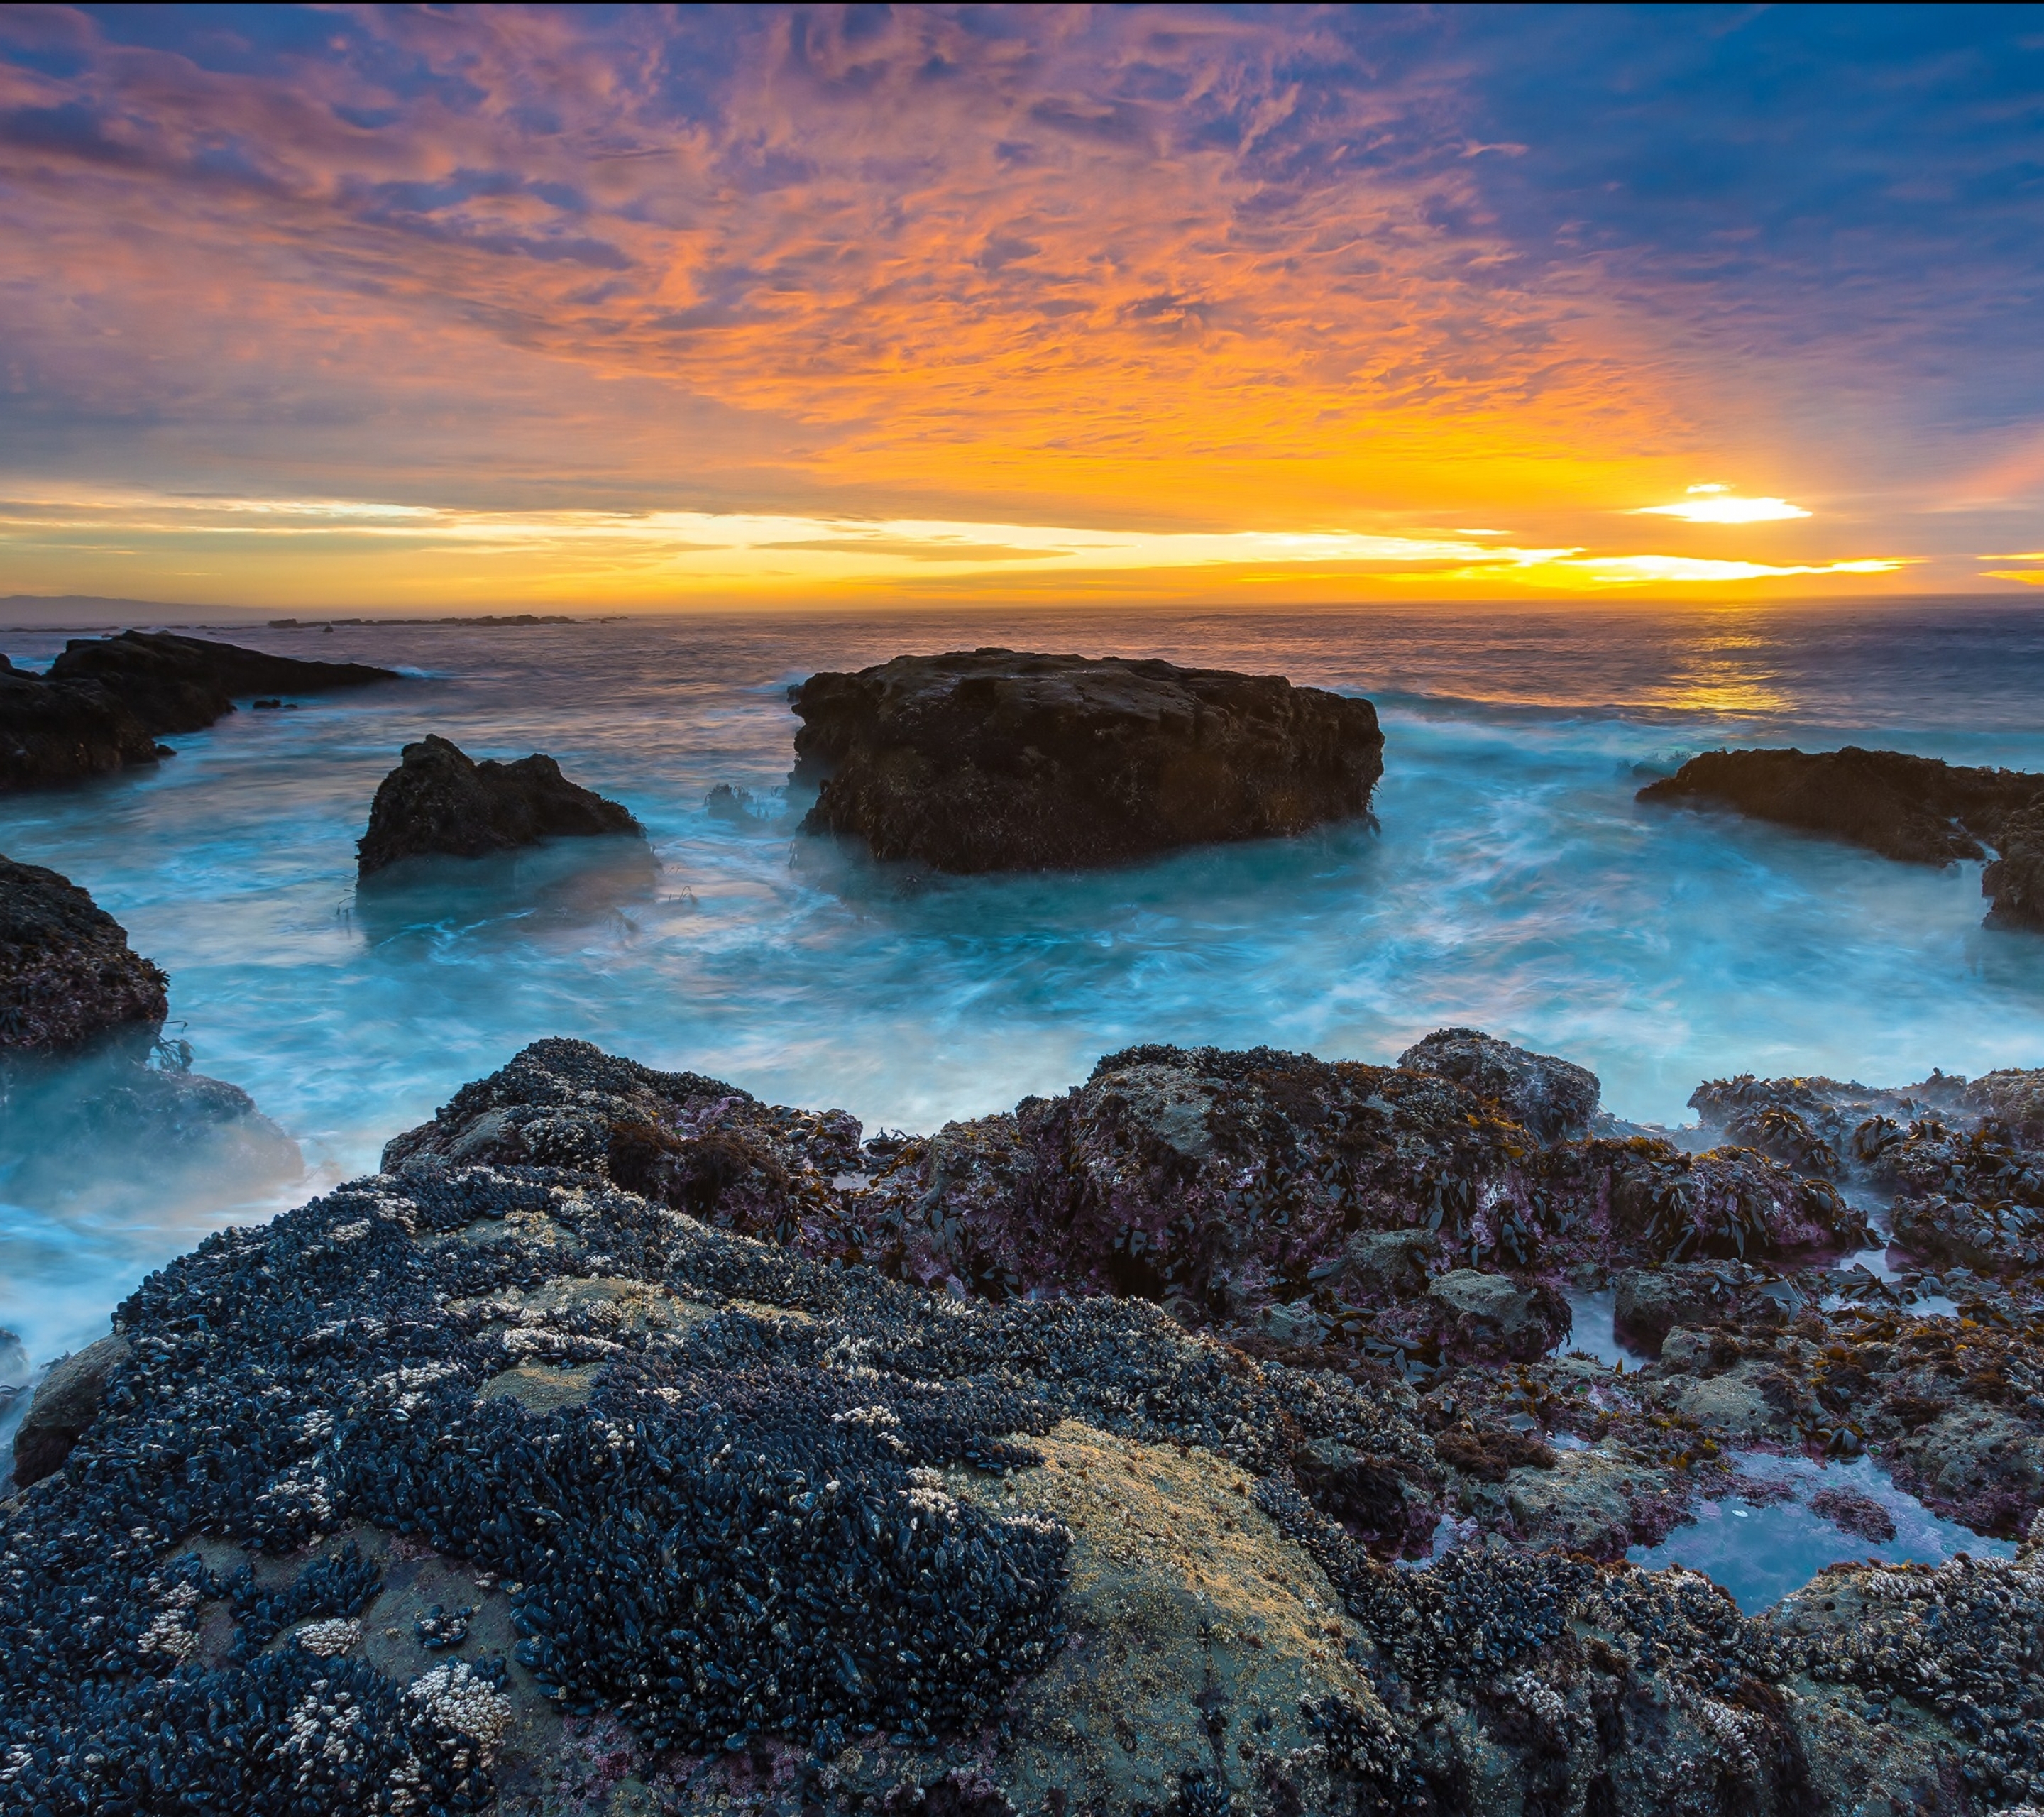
[(1510, 881)]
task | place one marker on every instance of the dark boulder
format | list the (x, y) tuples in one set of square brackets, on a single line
[(66, 972), (183, 684), (439, 800), (1916, 808), (66, 1403), (2014, 881), (1554, 1099), (995, 760), (60, 731)]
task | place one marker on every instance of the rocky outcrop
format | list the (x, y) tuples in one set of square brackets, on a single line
[(491, 1478), (1554, 1099), (63, 731), (440, 800), (2015, 880), (173, 683), (994, 760), (107, 701), (67, 1402), (66, 973), (1295, 1207), (1916, 808)]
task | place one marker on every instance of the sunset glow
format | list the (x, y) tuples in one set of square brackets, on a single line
[(383, 308)]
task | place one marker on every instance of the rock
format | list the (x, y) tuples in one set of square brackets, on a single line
[(1982, 1464), (172, 683), (995, 760), (63, 731), (1554, 1099), (2015, 880), (1647, 1303), (1855, 1511), (66, 973), (489, 1477), (1390, 1263), (2014, 1098), (1590, 1502), (66, 1403), (735, 806), (98, 1128), (1751, 1400), (439, 800), (1492, 1314), (1206, 1637), (1916, 808)]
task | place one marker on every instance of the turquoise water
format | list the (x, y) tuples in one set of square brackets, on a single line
[(1511, 882), (1761, 1550)]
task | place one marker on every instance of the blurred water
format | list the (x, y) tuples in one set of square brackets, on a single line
[(1512, 882)]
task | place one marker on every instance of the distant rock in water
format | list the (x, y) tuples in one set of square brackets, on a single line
[(107, 700), (992, 760), (66, 972), (1915, 808), (184, 684), (439, 800)]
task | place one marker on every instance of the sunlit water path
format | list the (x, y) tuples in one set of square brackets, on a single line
[(1511, 881)]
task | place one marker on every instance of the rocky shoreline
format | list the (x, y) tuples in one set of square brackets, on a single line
[(1205, 1439)]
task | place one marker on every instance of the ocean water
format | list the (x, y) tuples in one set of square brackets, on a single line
[(1511, 882)]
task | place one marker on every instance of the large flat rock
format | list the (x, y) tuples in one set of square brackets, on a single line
[(991, 760)]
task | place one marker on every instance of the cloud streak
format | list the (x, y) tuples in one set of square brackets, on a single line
[(1150, 271)]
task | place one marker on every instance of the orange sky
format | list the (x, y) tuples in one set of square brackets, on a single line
[(521, 307)]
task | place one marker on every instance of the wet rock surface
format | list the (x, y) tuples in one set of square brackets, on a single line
[(63, 731), (66, 1402), (107, 701), (66, 973), (173, 683), (440, 801), (1918, 809), (999, 760), (631, 1444)]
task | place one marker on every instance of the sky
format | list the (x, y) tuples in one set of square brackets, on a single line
[(627, 307)]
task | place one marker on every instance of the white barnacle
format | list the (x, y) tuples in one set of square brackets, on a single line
[(458, 1697), (172, 1632), (1540, 1698), (1733, 1731), (298, 1484), (349, 1232), (328, 1639), (877, 1417)]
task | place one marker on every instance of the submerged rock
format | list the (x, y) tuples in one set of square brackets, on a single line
[(1916, 808), (997, 760), (66, 972), (439, 800)]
